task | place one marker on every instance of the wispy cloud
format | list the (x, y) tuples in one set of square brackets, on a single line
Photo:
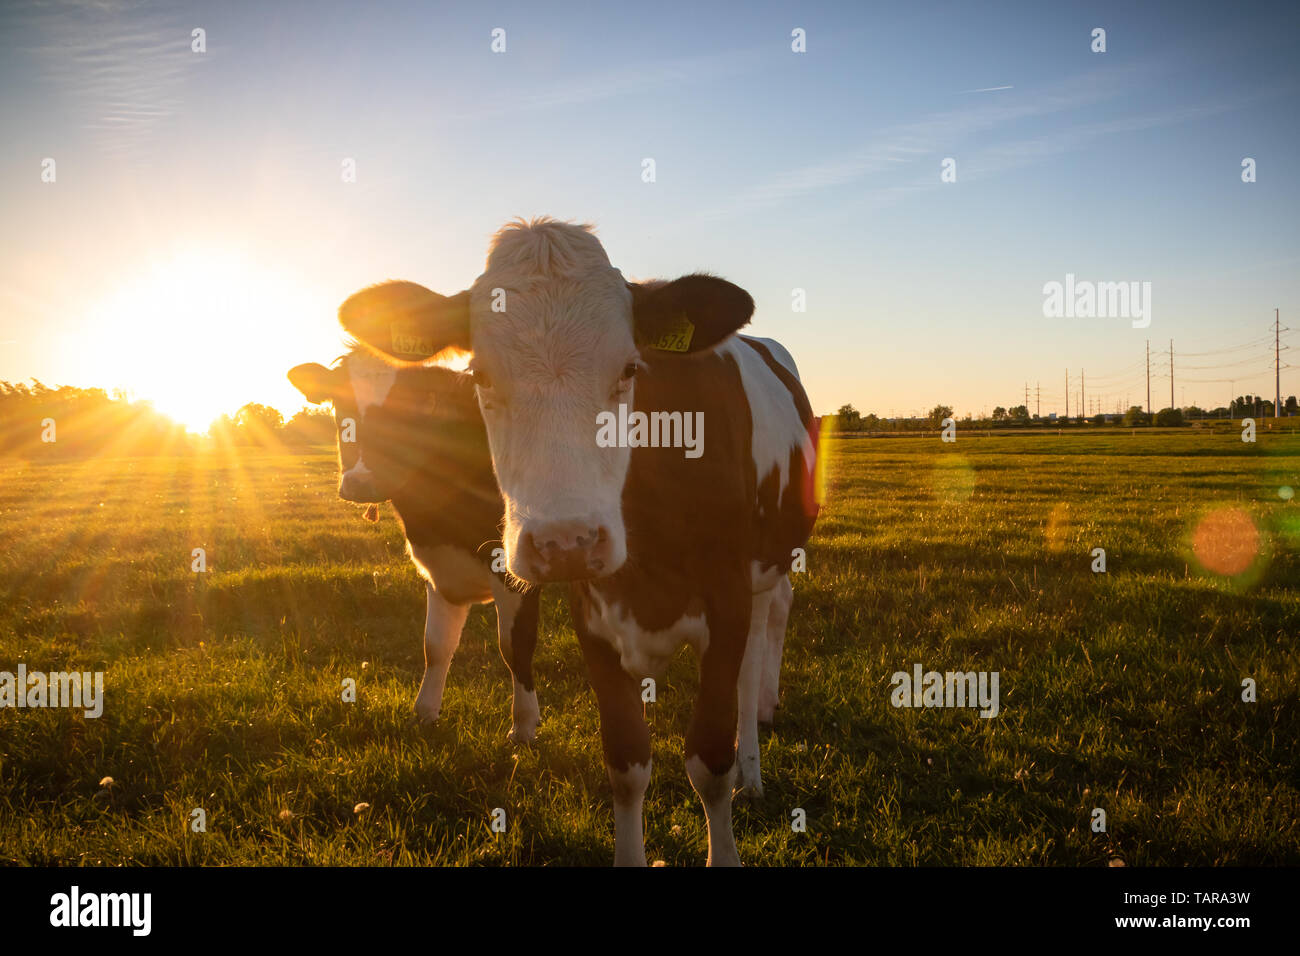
[(1023, 152), (989, 89), (949, 131), (119, 67), (621, 83)]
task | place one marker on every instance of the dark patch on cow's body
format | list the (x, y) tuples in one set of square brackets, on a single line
[(686, 519), (624, 734), (693, 526), (523, 637)]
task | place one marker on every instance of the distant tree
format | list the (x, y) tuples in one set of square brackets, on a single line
[(1246, 406), (310, 426), (1020, 413), (1169, 417), (999, 414), (1135, 416), (253, 424), (848, 419), (1290, 406), (89, 423), (1098, 419), (939, 413), (259, 418)]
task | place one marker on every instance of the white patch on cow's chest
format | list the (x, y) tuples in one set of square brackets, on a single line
[(454, 573), (643, 653)]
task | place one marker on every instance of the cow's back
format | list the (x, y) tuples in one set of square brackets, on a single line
[(784, 448)]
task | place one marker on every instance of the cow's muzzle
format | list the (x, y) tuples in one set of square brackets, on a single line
[(565, 551)]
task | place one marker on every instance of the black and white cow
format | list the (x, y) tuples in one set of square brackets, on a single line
[(666, 545), (412, 434)]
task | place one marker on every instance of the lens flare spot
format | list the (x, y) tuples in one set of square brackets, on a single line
[(1286, 492), (953, 480), (1226, 541), (1288, 527), (827, 452), (1058, 527)]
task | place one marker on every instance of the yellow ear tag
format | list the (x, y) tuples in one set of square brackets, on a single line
[(407, 341), (677, 338)]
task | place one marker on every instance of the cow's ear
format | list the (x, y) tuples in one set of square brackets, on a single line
[(316, 382), (689, 314), (406, 320)]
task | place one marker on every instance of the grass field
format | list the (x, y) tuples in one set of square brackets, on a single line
[(1120, 691)]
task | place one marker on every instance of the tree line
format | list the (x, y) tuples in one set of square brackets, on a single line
[(65, 421), (39, 420), (849, 419)]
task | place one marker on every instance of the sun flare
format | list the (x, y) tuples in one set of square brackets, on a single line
[(199, 334)]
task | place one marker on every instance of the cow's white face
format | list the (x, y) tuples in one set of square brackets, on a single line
[(556, 333), (561, 353)]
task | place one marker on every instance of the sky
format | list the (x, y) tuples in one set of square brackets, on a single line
[(199, 236)]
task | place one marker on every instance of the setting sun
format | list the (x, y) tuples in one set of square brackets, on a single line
[(199, 334)]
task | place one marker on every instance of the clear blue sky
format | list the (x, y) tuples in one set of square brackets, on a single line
[(776, 170)]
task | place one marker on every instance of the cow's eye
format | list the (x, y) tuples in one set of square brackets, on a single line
[(625, 379)]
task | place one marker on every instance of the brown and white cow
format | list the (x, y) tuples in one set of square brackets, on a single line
[(666, 545), (412, 434)]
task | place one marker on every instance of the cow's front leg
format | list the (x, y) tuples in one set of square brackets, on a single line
[(443, 623), (626, 741), (711, 739), (517, 616)]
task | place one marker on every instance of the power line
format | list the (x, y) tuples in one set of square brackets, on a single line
[(1277, 364), (1124, 380), (1148, 376), (1254, 360), (1234, 348), (1133, 369)]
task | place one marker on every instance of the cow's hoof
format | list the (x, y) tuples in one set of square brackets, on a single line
[(424, 721), (522, 735), (748, 791)]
